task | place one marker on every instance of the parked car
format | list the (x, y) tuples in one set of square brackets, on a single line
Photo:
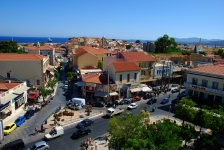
[(151, 101), (42, 145), (112, 104), (165, 100), (51, 97), (80, 133), (14, 145), (132, 106), (147, 96), (136, 98), (175, 90), (85, 123), (20, 120), (29, 113), (9, 128), (125, 101), (74, 106), (97, 104)]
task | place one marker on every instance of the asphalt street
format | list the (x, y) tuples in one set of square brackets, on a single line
[(100, 125)]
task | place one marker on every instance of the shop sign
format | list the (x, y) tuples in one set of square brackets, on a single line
[(198, 87)]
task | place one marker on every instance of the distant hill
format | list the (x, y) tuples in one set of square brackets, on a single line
[(197, 41)]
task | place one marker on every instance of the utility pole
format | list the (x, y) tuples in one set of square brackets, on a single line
[(163, 72), (169, 76), (108, 85)]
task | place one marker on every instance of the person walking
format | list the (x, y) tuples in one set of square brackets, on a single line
[(36, 130)]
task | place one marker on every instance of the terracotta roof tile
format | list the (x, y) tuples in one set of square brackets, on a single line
[(20, 57), (137, 56), (92, 50), (213, 69), (125, 66), (8, 86), (80, 52), (95, 78), (34, 48)]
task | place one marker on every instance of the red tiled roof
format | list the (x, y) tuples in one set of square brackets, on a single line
[(125, 66), (94, 78), (20, 57), (91, 50), (34, 48), (8, 86), (44, 47), (213, 69), (137, 56)]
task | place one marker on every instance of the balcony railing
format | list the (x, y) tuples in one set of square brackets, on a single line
[(203, 88)]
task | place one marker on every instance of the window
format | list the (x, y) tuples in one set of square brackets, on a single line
[(48, 53), (38, 82), (128, 78), (215, 85), (194, 81), (204, 83), (142, 72), (40, 53), (102, 59), (120, 77), (135, 76)]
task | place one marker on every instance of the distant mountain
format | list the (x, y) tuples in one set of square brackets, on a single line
[(196, 40)]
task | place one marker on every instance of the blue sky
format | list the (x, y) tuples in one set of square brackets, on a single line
[(120, 19)]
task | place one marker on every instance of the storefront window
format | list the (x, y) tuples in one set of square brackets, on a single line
[(215, 84), (194, 81), (204, 83)]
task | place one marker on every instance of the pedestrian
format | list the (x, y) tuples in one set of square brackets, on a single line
[(86, 145), (36, 130), (96, 145), (106, 138)]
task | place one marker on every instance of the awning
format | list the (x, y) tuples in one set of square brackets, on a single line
[(113, 94), (100, 94), (146, 89), (136, 90)]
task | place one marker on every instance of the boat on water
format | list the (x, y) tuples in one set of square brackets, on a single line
[(49, 40)]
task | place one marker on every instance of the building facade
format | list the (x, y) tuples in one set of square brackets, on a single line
[(206, 82), (27, 67)]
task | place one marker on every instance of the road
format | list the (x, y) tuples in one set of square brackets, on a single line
[(27, 128), (100, 126)]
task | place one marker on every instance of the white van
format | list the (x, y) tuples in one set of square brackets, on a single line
[(55, 132), (80, 101)]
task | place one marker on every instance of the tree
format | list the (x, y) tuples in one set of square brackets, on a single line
[(184, 109), (201, 118), (187, 132), (165, 45), (138, 41), (51, 84), (219, 52), (128, 46), (42, 43), (206, 142), (121, 129), (100, 65), (202, 52), (70, 76), (44, 92), (8, 47)]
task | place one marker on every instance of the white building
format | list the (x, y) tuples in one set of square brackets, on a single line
[(164, 69)]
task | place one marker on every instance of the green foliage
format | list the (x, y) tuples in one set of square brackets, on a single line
[(166, 45), (219, 52), (44, 92), (138, 41), (206, 142), (128, 46), (8, 47), (100, 65), (70, 76), (35, 44), (26, 45), (52, 83), (184, 109), (202, 52), (187, 132), (42, 43), (185, 52), (61, 64), (128, 133)]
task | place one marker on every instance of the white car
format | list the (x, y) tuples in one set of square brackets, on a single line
[(132, 106), (42, 145)]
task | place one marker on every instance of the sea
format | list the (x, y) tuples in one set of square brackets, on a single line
[(25, 40)]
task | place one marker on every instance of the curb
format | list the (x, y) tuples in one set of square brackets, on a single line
[(76, 121)]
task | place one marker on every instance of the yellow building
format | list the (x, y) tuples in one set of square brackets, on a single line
[(27, 67), (89, 56), (206, 82)]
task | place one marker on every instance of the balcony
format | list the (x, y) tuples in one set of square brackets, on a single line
[(192, 86)]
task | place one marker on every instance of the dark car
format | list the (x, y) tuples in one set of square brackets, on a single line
[(14, 145), (151, 101), (20, 120), (174, 101), (80, 133), (136, 98), (97, 104), (125, 101), (147, 96), (29, 113), (85, 123), (112, 104)]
